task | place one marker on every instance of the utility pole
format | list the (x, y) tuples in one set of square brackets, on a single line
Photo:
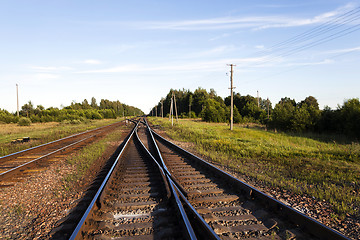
[(232, 97), (162, 108), (268, 108), (175, 107), (189, 110), (173, 102), (156, 110), (258, 100), (190, 101), (17, 98), (171, 112)]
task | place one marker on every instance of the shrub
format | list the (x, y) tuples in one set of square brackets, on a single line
[(7, 117), (24, 121)]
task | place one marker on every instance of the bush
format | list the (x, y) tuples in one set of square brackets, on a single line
[(7, 117), (24, 121)]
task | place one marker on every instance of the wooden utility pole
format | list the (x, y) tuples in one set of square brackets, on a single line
[(190, 101), (258, 99), (189, 110), (232, 97), (171, 112), (268, 108), (162, 108), (175, 106), (17, 98), (173, 102)]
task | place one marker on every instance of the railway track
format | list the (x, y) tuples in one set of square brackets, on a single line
[(156, 190), (135, 201), (34, 159)]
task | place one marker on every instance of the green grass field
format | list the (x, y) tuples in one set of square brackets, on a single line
[(319, 168), (42, 133)]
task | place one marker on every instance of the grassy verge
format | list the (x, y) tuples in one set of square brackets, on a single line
[(84, 159), (321, 169), (42, 133)]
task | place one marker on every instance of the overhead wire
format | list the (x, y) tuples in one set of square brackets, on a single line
[(321, 28), (298, 67), (313, 44), (308, 39)]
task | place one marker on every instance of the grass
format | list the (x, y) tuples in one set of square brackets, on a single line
[(86, 157), (304, 165), (42, 133)]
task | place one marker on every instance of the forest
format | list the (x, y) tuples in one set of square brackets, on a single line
[(74, 113), (287, 115)]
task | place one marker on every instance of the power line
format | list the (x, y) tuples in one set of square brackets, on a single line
[(321, 28), (315, 43), (308, 39), (296, 68)]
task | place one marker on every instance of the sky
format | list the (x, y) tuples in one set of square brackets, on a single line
[(135, 51)]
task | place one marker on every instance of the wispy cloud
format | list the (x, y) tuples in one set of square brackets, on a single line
[(323, 62), (208, 66), (216, 51), (215, 23), (92, 61), (116, 69), (346, 50), (260, 47), (252, 22), (46, 69), (224, 35), (321, 18), (46, 76)]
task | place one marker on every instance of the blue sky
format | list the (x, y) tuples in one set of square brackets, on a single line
[(135, 51)]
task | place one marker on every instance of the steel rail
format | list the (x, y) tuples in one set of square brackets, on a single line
[(206, 231), (13, 171), (76, 233), (190, 234), (25, 151), (162, 163), (163, 175), (311, 225)]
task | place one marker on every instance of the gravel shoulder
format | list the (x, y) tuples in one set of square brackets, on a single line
[(32, 207)]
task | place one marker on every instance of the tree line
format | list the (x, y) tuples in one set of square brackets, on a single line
[(74, 113), (286, 115)]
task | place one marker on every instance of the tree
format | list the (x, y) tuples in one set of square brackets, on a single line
[(350, 117), (200, 97), (93, 103), (283, 113), (190, 104), (213, 111), (311, 105), (85, 104), (300, 120), (310, 101), (27, 109)]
